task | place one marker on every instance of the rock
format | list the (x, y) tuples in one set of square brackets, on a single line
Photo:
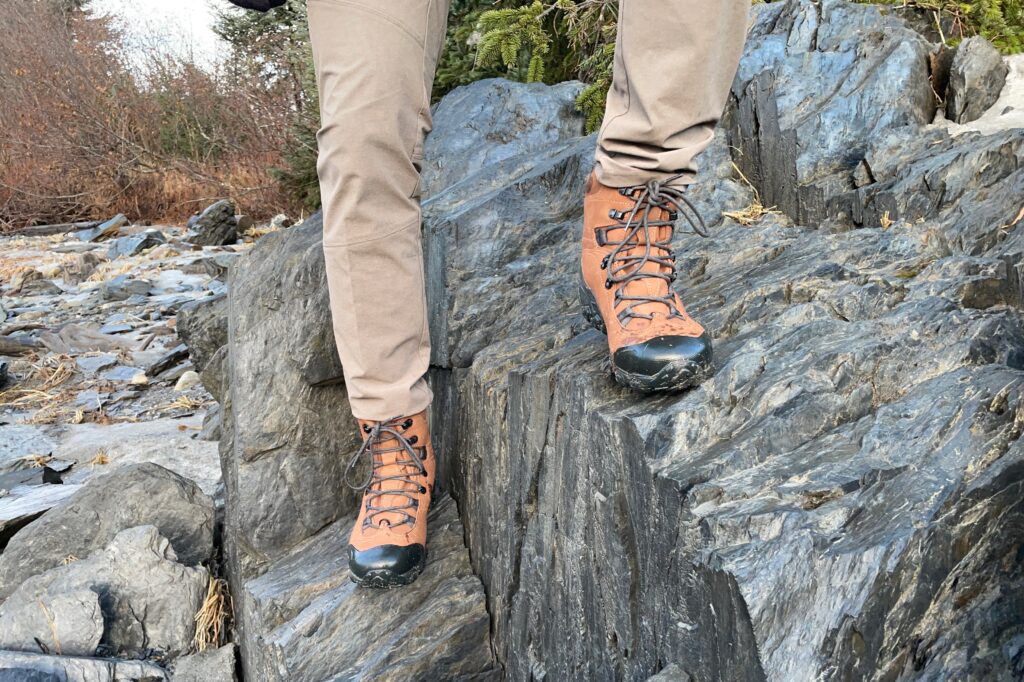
[(244, 223), (25, 667), (25, 502), (280, 221), (123, 288), (103, 231), (81, 267), (671, 673), (282, 482), (149, 600), (808, 97), (21, 441), (66, 623), (976, 78), (305, 620), (174, 356), (203, 328), (136, 243), (214, 665), (217, 265), (216, 225), (524, 119), (123, 373), (115, 328), (91, 364), (4, 373), (131, 496), (187, 381)]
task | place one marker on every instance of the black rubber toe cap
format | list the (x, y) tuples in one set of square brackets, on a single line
[(390, 563), (665, 362)]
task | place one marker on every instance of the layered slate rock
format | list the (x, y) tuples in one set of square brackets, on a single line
[(818, 82), (28, 667), (841, 500), (976, 77), (149, 600), (287, 433), (140, 494), (306, 620)]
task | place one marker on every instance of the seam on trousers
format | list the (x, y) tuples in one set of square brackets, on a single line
[(620, 42), (390, 233), (424, 102), (371, 10)]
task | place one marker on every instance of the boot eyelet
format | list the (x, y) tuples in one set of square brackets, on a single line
[(407, 423), (413, 439), (366, 428), (423, 490), (423, 453), (604, 262), (607, 284)]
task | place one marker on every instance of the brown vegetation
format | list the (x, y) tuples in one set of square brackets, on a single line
[(83, 134)]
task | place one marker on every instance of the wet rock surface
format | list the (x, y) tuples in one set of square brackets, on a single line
[(306, 620), (840, 501), (835, 502)]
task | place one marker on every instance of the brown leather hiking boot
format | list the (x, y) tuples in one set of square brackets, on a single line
[(388, 546), (628, 268)]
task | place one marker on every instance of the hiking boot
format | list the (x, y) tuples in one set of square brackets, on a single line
[(388, 546), (626, 291)]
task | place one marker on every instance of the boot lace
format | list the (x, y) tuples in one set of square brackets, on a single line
[(376, 445), (625, 264)]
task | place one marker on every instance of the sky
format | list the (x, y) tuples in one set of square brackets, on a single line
[(178, 26)]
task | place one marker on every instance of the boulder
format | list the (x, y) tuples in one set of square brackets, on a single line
[(212, 665), (103, 231), (215, 226), (123, 287), (127, 497), (840, 500), (136, 243), (976, 77), (27, 667), (818, 81), (203, 327), (149, 600), (282, 473), (304, 619), (67, 622)]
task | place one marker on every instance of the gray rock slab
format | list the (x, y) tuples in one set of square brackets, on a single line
[(65, 623), (90, 364), (123, 288), (136, 243), (25, 667), (166, 442), (103, 231), (305, 620), (807, 98), (215, 226), (149, 600), (976, 77), (125, 498), (213, 665), (18, 441), (121, 373)]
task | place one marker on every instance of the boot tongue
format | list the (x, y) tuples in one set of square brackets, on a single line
[(648, 286), (387, 454)]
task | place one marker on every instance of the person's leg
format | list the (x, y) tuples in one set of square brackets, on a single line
[(674, 64), (375, 65)]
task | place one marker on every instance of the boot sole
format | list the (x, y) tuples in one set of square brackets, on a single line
[(670, 378), (383, 579)]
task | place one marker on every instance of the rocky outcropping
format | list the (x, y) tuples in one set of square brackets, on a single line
[(841, 500)]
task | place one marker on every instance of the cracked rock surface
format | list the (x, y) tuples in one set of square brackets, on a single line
[(840, 501)]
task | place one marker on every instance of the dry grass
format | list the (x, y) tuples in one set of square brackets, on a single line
[(69, 559), (37, 460), (755, 211), (211, 619), (99, 459)]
